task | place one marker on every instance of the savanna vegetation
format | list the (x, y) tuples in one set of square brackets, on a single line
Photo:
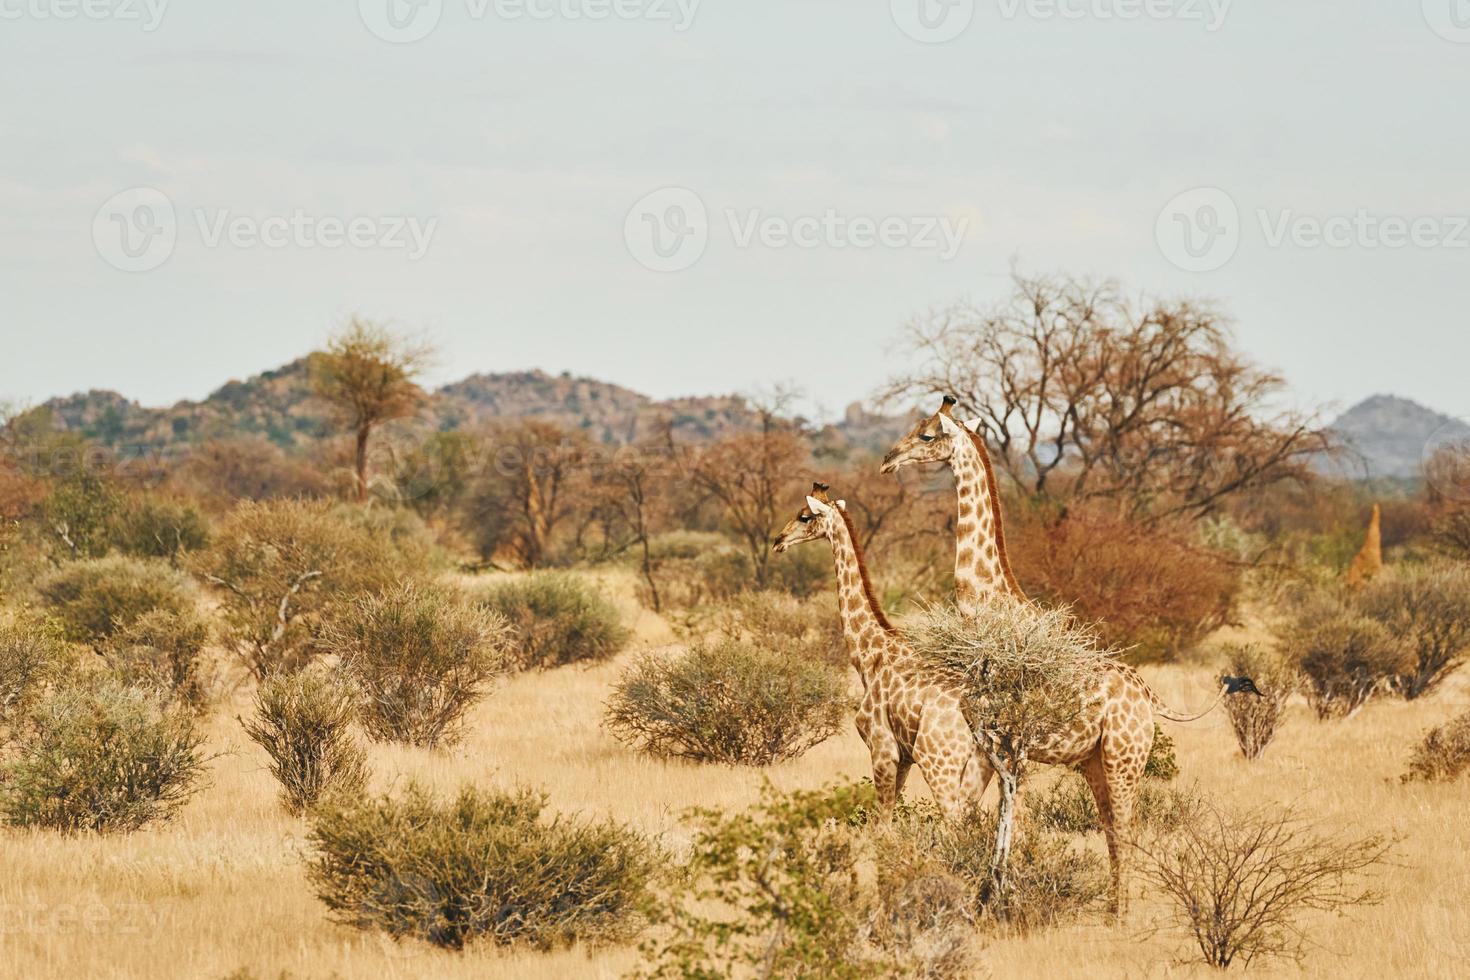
[(443, 697)]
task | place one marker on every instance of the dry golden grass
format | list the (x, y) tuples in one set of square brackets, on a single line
[(222, 888)]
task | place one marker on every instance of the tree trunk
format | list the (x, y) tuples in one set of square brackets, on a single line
[(648, 573), (1007, 773), (360, 461)]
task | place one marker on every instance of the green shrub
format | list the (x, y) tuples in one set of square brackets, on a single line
[(100, 757), (160, 651), (303, 722), (1429, 607), (32, 653), (1443, 755), (727, 702), (1255, 719), (484, 865), (96, 598), (1344, 657), (558, 619), (280, 566), (420, 658), (1068, 806), (154, 526), (1161, 763)]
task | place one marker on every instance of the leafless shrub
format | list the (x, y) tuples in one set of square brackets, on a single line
[(1443, 755), (1240, 883), (1255, 719)]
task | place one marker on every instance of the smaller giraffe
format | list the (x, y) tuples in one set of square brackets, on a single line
[(982, 569), (1368, 562), (908, 715)]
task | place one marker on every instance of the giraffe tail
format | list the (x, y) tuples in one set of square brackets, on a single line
[(1228, 686)]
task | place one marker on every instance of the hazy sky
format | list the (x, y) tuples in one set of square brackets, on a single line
[(288, 155)]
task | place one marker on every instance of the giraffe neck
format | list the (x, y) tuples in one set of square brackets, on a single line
[(868, 634), (981, 568)]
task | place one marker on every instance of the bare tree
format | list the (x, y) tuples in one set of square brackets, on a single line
[(368, 375), (527, 489), (1084, 395), (753, 477), (632, 487), (1240, 883)]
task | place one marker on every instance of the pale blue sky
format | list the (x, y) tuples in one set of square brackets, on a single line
[(1057, 140)]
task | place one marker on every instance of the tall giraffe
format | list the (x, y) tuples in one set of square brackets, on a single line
[(1368, 562), (981, 568), (912, 714)]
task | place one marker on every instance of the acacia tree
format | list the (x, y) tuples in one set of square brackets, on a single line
[(368, 375), (1085, 394)]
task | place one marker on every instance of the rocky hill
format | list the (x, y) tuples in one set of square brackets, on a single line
[(1386, 436)]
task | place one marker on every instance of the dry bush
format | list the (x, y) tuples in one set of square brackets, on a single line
[(224, 471), (149, 525), (419, 657), (1256, 719), (808, 629), (1154, 588), (303, 721), (558, 618), (1429, 607), (1344, 657), (1027, 673), (482, 866), (1443, 755), (100, 757), (727, 702), (279, 568), (33, 653), (160, 651), (1241, 883), (94, 599)]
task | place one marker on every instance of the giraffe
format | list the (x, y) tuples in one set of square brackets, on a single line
[(981, 567), (1368, 562), (912, 714)]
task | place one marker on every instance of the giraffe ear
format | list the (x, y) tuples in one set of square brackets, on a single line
[(949, 425), (842, 505), (817, 507), (974, 424)]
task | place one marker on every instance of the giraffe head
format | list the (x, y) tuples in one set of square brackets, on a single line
[(815, 520), (931, 440)]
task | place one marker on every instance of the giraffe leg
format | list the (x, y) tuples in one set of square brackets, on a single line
[(1124, 755), (1093, 770), (886, 778)]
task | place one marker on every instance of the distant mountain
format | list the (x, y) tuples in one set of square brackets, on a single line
[(279, 405), (1386, 436)]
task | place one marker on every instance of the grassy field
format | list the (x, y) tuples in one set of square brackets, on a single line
[(221, 891)]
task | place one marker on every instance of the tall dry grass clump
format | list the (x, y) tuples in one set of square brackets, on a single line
[(558, 618), (419, 658), (303, 721), (100, 756), (485, 865), (727, 702), (1255, 720), (1444, 753), (1241, 884)]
